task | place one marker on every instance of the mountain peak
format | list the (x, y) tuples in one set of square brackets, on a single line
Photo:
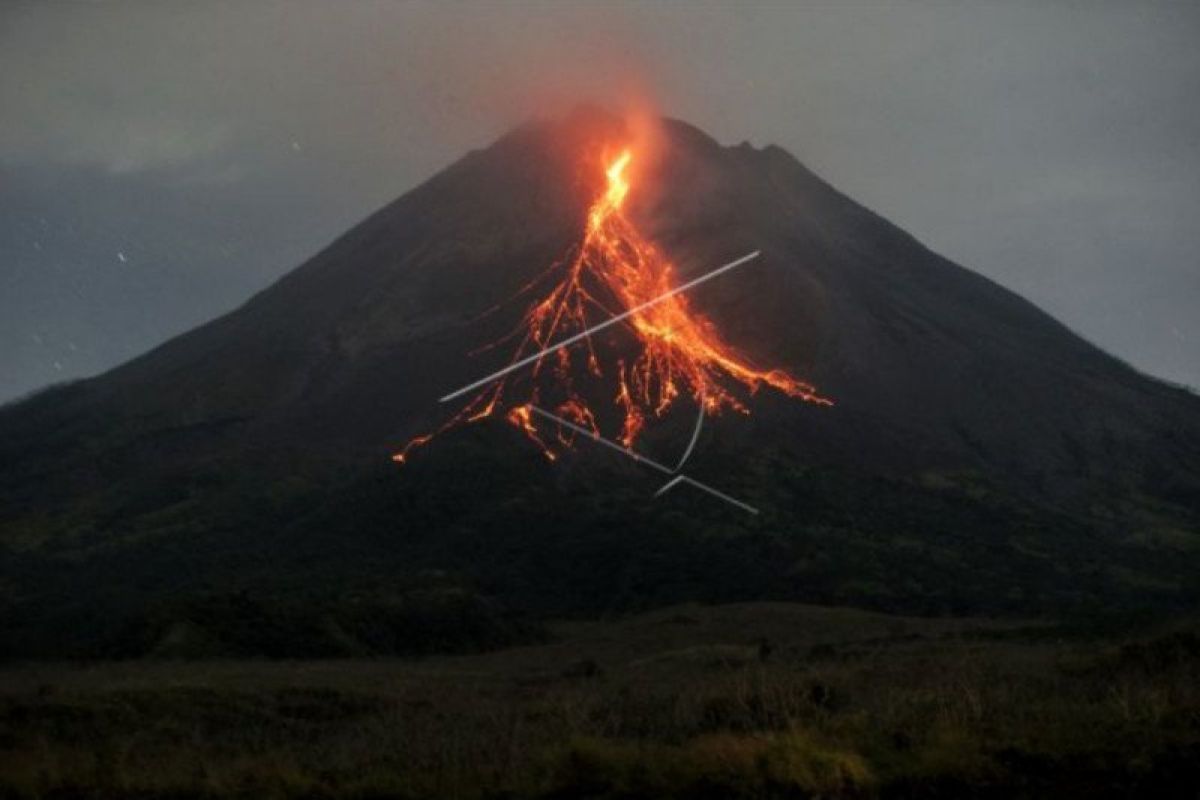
[(956, 400)]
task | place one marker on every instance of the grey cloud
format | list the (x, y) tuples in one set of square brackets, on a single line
[(1054, 147)]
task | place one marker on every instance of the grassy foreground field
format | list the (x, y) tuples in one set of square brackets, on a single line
[(754, 700)]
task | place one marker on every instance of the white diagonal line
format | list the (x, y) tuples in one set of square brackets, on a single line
[(666, 487), (643, 460), (722, 495), (600, 326)]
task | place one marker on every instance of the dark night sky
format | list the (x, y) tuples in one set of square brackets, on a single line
[(160, 162)]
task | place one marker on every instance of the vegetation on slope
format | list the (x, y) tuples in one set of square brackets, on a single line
[(755, 701)]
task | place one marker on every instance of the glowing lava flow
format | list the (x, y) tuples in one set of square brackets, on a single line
[(678, 351)]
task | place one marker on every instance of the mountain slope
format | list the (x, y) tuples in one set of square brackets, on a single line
[(979, 455)]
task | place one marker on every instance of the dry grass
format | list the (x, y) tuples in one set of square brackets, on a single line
[(681, 703)]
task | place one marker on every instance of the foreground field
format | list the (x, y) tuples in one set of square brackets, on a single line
[(756, 700)]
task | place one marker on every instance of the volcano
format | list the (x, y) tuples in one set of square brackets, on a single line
[(917, 437)]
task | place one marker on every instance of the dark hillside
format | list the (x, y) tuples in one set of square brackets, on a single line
[(980, 457)]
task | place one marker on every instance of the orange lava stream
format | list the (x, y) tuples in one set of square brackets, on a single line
[(612, 269)]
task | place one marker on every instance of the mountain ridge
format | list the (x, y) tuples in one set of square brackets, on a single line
[(972, 431)]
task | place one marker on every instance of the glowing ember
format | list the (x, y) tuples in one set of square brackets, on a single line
[(678, 351)]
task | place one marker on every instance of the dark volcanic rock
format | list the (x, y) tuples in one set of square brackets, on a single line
[(256, 446)]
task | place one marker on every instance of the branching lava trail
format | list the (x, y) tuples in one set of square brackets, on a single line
[(678, 352)]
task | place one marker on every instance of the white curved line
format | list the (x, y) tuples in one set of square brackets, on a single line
[(695, 435), (675, 481)]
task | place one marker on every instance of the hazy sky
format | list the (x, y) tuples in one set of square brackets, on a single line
[(159, 162)]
